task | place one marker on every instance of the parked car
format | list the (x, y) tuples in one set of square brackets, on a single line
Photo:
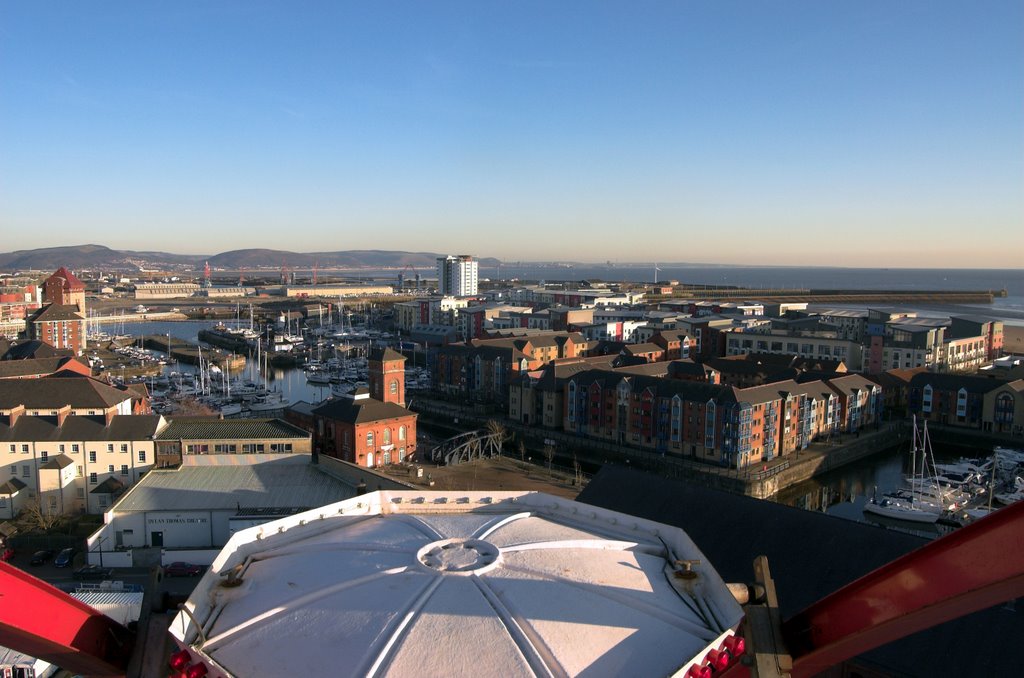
[(40, 557), (65, 557), (182, 569), (93, 572)]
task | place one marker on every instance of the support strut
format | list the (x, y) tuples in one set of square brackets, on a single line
[(44, 622)]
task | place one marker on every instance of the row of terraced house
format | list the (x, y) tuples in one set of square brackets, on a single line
[(643, 399)]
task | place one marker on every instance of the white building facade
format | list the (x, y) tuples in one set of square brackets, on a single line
[(457, 275)]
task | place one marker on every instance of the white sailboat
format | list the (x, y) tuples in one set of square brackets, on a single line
[(909, 508)]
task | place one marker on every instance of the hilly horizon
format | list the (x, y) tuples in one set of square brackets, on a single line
[(101, 256)]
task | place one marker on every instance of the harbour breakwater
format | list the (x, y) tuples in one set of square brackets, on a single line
[(837, 296), (188, 353)]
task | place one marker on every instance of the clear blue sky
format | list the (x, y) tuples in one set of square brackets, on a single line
[(861, 132)]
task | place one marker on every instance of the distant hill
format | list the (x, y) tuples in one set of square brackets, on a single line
[(100, 257), (86, 256)]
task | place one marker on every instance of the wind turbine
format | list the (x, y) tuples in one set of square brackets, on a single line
[(656, 269)]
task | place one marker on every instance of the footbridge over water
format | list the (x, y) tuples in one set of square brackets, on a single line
[(479, 444)]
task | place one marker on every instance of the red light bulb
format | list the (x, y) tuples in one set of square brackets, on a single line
[(699, 672), (719, 661), (735, 645), (196, 671), (179, 660)]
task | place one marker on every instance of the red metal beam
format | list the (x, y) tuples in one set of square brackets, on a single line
[(975, 567), (44, 622)]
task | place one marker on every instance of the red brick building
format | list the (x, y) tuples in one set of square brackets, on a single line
[(64, 289), (387, 375), (368, 431), (59, 326)]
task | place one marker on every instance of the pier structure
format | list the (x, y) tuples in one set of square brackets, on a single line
[(188, 353), (851, 296)]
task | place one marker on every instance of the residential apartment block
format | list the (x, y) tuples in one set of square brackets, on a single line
[(457, 276), (60, 326), (482, 369), (714, 423), (71, 442)]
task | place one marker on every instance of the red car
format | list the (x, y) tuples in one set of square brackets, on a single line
[(182, 569), (7, 555)]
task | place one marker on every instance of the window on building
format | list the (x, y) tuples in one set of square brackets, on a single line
[(92, 456), (60, 447), (393, 387), (44, 456), (26, 471), (124, 469), (369, 438), (74, 448), (387, 435), (124, 447), (24, 449), (92, 478), (110, 447), (401, 433), (142, 455), (78, 471), (14, 469)]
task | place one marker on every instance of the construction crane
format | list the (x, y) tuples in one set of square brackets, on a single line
[(402, 280)]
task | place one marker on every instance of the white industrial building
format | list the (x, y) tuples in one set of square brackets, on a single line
[(190, 512)]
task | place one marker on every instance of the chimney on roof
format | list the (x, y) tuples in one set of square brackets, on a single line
[(62, 414), (16, 413)]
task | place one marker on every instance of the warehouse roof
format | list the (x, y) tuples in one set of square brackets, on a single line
[(230, 429), (291, 481)]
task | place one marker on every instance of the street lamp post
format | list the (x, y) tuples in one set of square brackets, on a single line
[(99, 543)]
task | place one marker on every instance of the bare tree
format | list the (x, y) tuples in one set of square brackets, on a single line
[(35, 518), (499, 432), (549, 454)]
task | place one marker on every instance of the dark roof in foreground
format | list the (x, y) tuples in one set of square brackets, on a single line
[(31, 367), (122, 427), (811, 555), (57, 390), (229, 429), (33, 348), (54, 313)]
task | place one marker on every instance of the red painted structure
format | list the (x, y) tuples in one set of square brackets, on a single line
[(44, 622)]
